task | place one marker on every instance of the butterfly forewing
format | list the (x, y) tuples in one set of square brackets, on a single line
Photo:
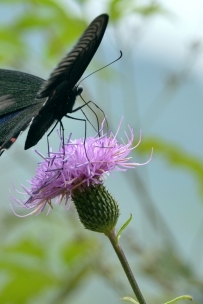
[(60, 89), (75, 63)]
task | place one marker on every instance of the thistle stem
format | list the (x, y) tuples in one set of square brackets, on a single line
[(112, 237)]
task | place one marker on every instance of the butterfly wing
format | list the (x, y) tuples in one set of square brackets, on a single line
[(17, 90), (12, 125), (72, 67), (17, 104), (59, 88)]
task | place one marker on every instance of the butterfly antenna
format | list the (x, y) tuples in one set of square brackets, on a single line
[(121, 54)]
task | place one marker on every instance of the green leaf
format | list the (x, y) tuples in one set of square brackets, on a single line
[(123, 227), (130, 300), (184, 297)]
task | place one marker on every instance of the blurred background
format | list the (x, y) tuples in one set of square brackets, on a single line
[(157, 87)]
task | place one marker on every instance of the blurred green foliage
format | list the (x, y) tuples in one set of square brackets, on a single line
[(118, 9), (31, 265), (59, 25), (176, 157)]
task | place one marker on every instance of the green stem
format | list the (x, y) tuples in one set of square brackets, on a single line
[(112, 237)]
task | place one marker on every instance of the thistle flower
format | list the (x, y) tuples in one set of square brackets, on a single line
[(77, 172)]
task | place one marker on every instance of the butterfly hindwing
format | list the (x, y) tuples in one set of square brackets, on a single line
[(13, 124), (17, 104)]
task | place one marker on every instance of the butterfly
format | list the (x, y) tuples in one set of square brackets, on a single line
[(29, 100)]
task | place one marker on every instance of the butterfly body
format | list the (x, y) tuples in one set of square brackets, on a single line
[(45, 102), (51, 112)]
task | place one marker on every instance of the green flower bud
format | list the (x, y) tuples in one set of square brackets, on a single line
[(97, 209)]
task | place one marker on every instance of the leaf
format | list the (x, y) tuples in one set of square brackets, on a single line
[(130, 300), (123, 228), (184, 297)]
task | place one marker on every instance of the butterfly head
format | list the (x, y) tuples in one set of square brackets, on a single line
[(79, 90)]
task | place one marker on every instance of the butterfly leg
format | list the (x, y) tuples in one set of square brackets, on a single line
[(51, 132), (107, 125), (87, 103), (85, 129), (80, 107), (87, 119)]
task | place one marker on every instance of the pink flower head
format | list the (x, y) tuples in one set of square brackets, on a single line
[(76, 166)]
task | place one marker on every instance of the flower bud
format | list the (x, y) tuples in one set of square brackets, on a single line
[(97, 209)]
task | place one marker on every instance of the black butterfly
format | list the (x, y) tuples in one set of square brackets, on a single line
[(21, 98)]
